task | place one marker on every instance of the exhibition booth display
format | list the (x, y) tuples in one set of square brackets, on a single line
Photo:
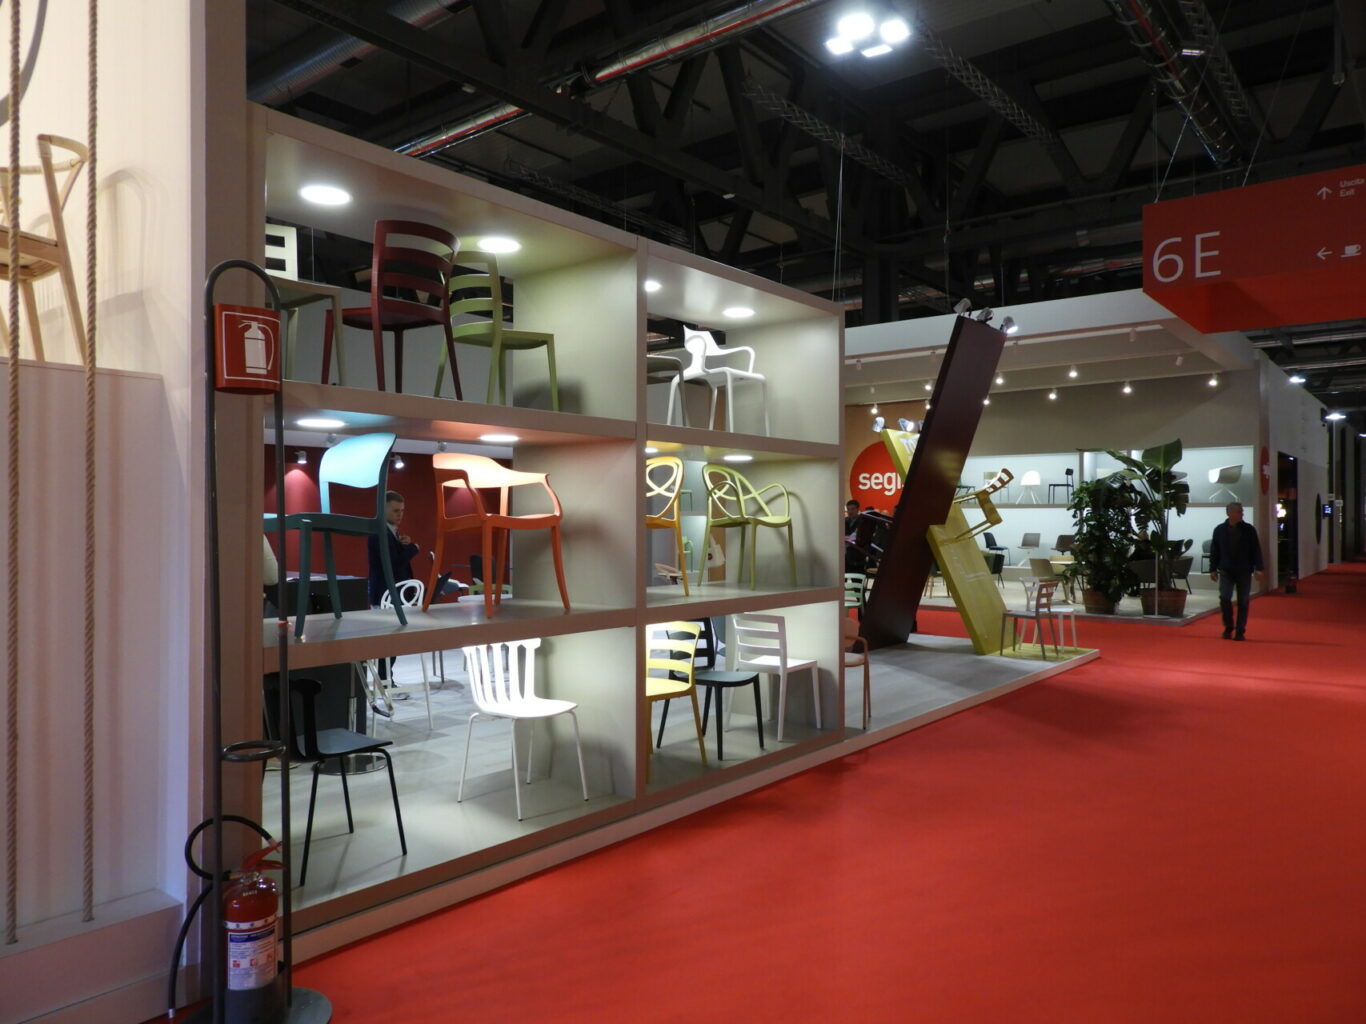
[(591, 512)]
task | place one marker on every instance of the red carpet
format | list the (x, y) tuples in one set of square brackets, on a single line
[(1170, 834)]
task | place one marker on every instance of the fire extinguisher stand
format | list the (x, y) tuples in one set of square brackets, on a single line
[(278, 1002)]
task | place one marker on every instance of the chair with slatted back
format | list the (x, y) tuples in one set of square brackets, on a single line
[(758, 643), (410, 271), (669, 651), (480, 293)]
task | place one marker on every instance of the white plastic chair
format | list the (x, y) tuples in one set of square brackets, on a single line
[(1223, 476), (1038, 607), (712, 365), (758, 643), (410, 593), (1030, 482), (503, 685)]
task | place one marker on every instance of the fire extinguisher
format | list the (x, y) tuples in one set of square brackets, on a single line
[(251, 905)]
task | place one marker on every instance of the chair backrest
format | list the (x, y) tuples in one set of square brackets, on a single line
[(477, 292), (1031, 478), (849, 631), (59, 178), (1043, 596), (282, 250), (1069, 473), (1181, 568), (670, 649), (501, 674), (756, 639), (303, 733), (410, 256), (1030, 540), (1042, 568), (410, 594), (1065, 542), (1226, 474), (730, 495), (1205, 546), (663, 480), (991, 541), (362, 462), (995, 562), (699, 344), (705, 656), (476, 472), (855, 583)]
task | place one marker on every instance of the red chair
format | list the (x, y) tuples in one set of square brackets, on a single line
[(475, 473), (408, 289)]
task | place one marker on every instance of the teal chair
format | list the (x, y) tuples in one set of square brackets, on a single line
[(361, 462)]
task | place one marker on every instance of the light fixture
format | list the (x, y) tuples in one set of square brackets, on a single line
[(331, 440), (838, 45), (441, 446), (1053, 395), (324, 195), (874, 409), (1009, 326), (857, 29), (396, 460), (651, 450), (319, 423), (1180, 360), (1000, 379), (499, 438), (983, 316), (301, 457), (651, 285), (1192, 51), (1128, 388), (927, 405), (1072, 373), (906, 425), (962, 306), (499, 243), (737, 312), (878, 424), (876, 51), (1335, 416), (737, 457), (856, 26), (894, 30), (929, 385), (1295, 378), (1213, 380), (986, 401)]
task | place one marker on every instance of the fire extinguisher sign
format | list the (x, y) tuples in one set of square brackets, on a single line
[(246, 349)]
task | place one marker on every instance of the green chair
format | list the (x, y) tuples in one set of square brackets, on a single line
[(361, 462), (482, 293), (732, 501)]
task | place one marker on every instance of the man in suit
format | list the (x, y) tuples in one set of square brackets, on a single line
[(401, 549), (1235, 554)]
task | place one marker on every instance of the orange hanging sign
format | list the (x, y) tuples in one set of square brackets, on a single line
[(246, 349)]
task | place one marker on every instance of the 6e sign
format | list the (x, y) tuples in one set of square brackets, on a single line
[(1173, 257)]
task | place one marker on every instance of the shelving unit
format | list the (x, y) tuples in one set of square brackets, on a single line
[(583, 282)]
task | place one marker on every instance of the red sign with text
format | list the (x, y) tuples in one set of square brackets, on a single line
[(1285, 252), (246, 349), (873, 482)]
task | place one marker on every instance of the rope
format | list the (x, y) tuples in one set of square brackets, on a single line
[(91, 464), (12, 625)]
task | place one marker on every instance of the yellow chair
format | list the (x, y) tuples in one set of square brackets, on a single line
[(732, 501), (669, 651), (664, 480), (482, 293)]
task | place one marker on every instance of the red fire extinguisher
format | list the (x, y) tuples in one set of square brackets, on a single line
[(251, 905)]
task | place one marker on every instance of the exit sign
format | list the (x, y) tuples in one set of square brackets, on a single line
[(1285, 252)]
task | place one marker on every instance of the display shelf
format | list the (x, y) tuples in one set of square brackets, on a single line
[(698, 444), (729, 597)]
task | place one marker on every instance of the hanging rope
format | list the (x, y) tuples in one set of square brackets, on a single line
[(12, 561), (91, 463)]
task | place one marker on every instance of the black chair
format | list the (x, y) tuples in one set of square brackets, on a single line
[(1064, 543), (716, 680), (993, 546), (1066, 485), (1204, 555), (1181, 571), (309, 743), (995, 563)]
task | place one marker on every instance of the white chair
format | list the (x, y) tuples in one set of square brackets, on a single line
[(712, 365), (1224, 477), (1038, 608), (503, 685), (410, 593), (1043, 571), (758, 643), (1030, 483)]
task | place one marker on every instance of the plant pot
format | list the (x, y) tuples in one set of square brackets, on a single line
[(1096, 603), (1170, 603)]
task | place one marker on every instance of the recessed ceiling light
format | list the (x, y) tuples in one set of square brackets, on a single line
[(986, 401), (1128, 388), (1072, 373), (499, 438), (839, 46), (651, 285), (858, 25), (894, 30), (1213, 380), (929, 386), (1296, 379), (325, 195), (737, 312), (320, 423), (498, 243), (1335, 416), (1053, 395), (1000, 379), (737, 457), (651, 450)]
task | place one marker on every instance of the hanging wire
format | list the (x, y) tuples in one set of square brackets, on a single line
[(1276, 93), (835, 296)]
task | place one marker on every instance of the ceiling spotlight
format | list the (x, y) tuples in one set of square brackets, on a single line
[(876, 51), (983, 316), (498, 243), (1128, 388), (1000, 379), (651, 450), (397, 460), (1335, 416), (962, 306), (878, 424), (1213, 380), (1009, 325), (874, 409), (1053, 395), (1295, 378), (858, 25), (1072, 373), (651, 285), (301, 457), (894, 30), (325, 195)]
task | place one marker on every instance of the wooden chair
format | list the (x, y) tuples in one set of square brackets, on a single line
[(39, 255), (855, 655), (473, 473), (481, 293), (732, 501), (664, 481), (409, 288), (669, 651)]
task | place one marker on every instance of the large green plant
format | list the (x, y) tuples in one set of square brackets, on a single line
[(1154, 490), (1103, 536)]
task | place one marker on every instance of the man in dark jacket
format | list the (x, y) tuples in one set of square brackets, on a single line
[(1235, 554), (401, 549)]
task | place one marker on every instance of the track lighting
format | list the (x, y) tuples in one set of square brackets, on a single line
[(1009, 326), (983, 316), (962, 306), (301, 457), (396, 460)]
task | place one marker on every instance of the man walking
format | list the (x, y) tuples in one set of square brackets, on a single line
[(1235, 554)]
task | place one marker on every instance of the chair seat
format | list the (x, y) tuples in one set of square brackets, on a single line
[(38, 255), (852, 660), (530, 707), (659, 687), (771, 520), (518, 340), (341, 742), (360, 316), (718, 677), (770, 662)]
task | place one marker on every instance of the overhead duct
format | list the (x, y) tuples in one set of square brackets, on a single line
[(686, 43), (1178, 77), (1219, 68), (298, 74)]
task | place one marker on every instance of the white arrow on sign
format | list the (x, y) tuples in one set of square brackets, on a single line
[(1323, 254), (1325, 192)]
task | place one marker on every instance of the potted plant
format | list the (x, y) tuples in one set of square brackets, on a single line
[(1154, 490), (1102, 538)]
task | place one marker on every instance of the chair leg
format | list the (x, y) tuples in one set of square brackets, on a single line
[(674, 397), (782, 701), (663, 717), (516, 782), (328, 333), (393, 789), (35, 326), (398, 362), (490, 577), (388, 571), (305, 576), (378, 336), (465, 765), (531, 747), (437, 556), (759, 711), (502, 550), (426, 690), (455, 370), (711, 413), (763, 397), (791, 555), (346, 794), (559, 565), (554, 382), (334, 591), (682, 557), (816, 695), (578, 746), (697, 721), (867, 694), (720, 730), (308, 829)]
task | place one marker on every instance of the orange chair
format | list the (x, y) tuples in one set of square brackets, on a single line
[(475, 473), (664, 480), (408, 289)]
